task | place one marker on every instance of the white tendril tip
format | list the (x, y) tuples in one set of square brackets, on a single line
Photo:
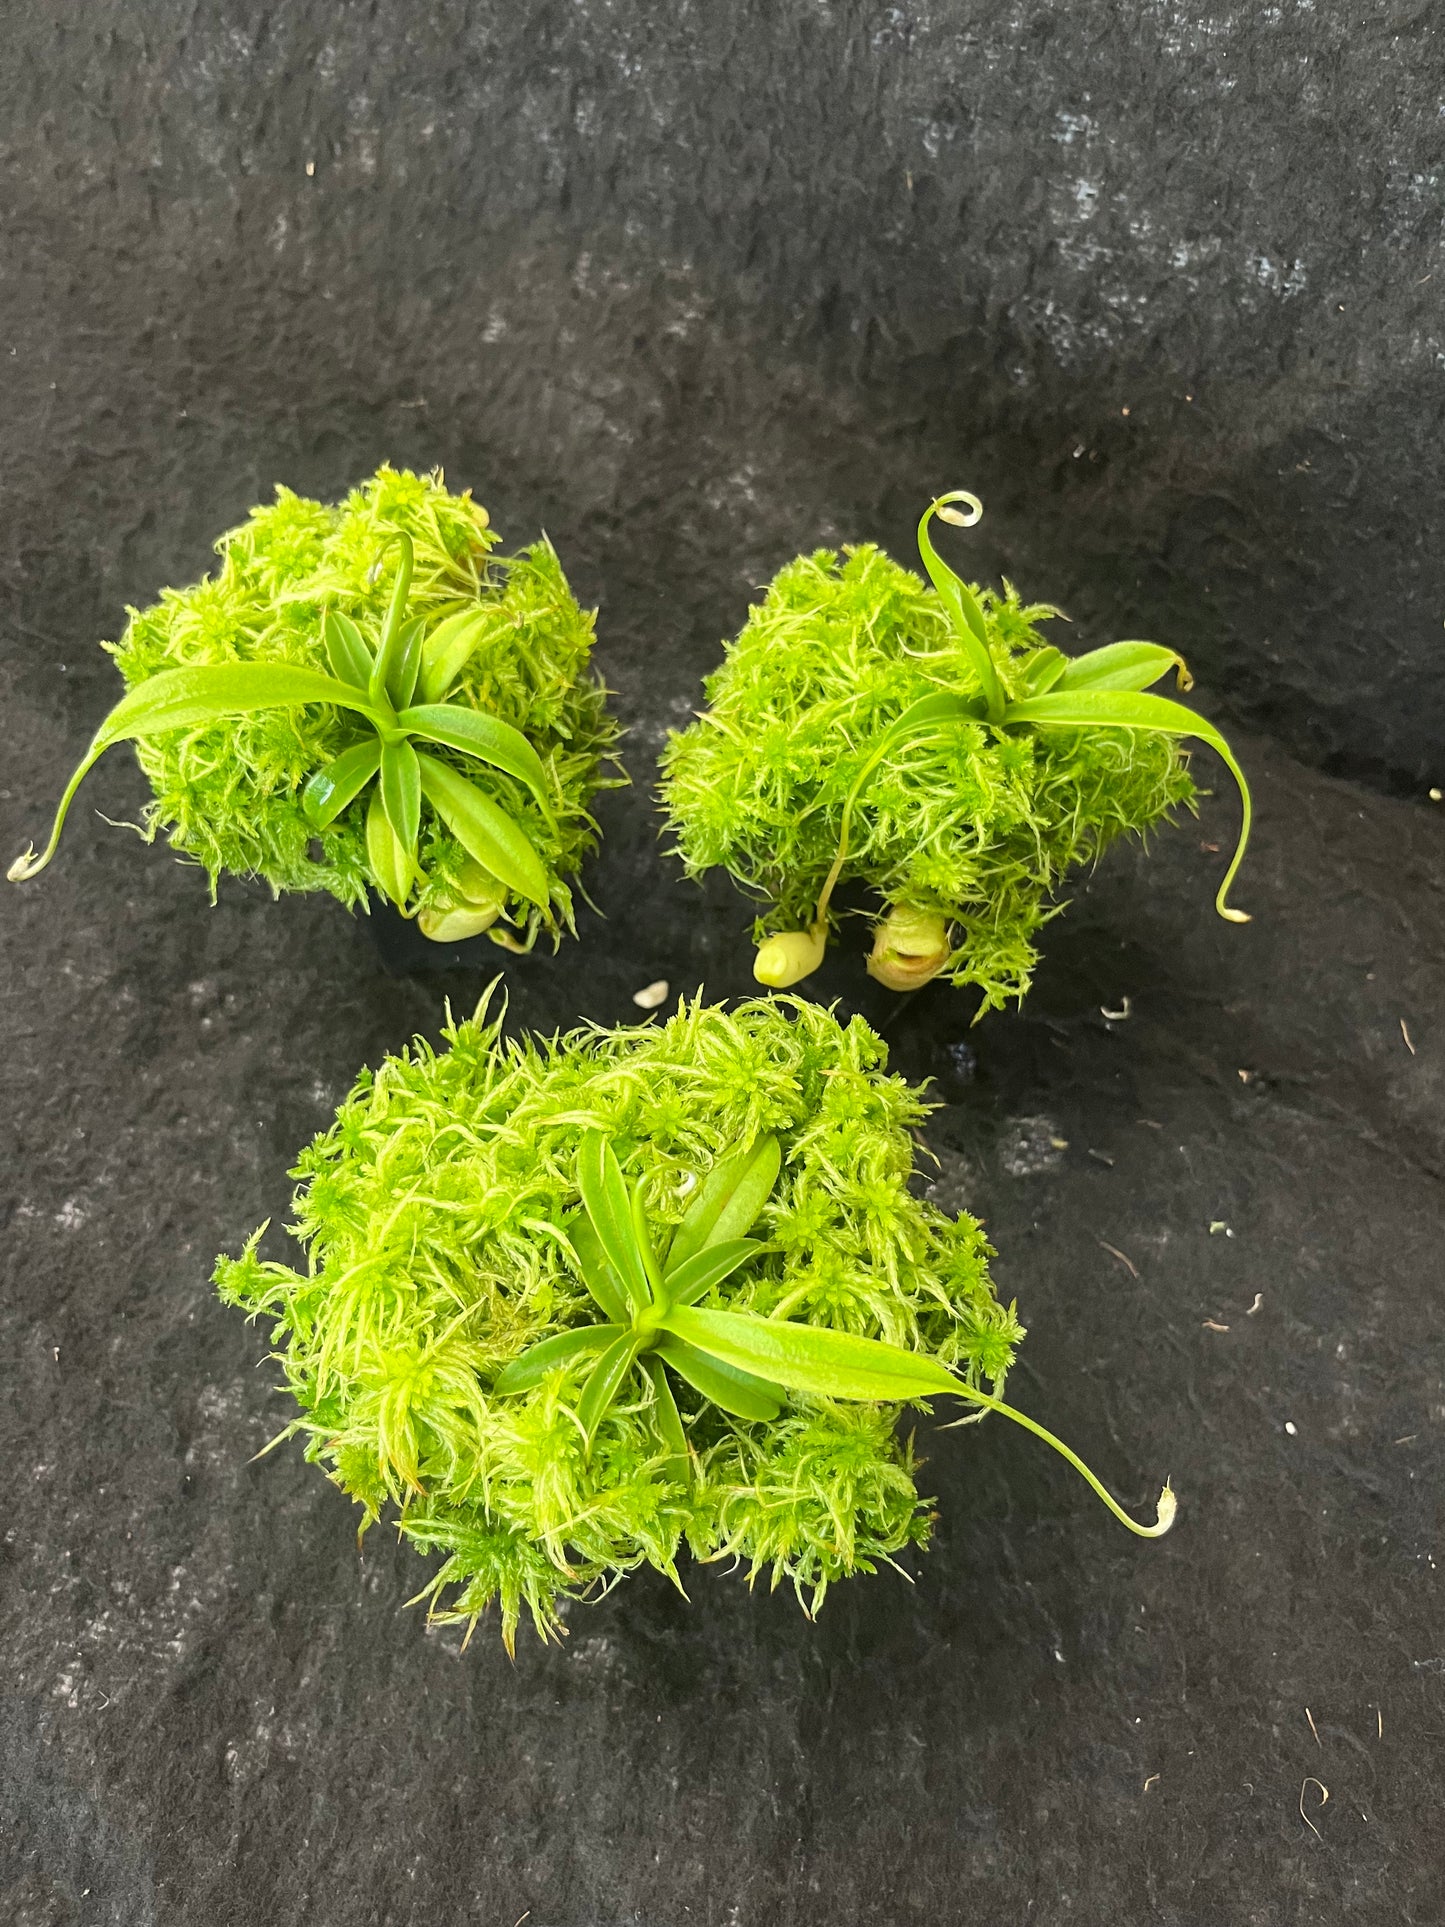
[(1168, 1506), (961, 518), (20, 869)]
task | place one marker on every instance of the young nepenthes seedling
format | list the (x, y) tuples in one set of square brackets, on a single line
[(1100, 690), (930, 744), (647, 1287), (380, 686), (362, 699), (571, 1305)]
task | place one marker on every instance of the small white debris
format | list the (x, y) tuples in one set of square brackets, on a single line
[(1216, 1225), (310, 169), (1125, 1006), (1289, 1427), (652, 995)]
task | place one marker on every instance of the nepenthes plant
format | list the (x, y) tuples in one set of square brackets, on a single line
[(574, 1305), (363, 698), (928, 743)]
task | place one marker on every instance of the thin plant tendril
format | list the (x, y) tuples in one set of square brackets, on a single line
[(1168, 1502)]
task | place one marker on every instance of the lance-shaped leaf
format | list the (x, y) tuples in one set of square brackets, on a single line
[(484, 737), (391, 865), (727, 1203), (189, 699), (1043, 670), (400, 791), (642, 1240), (598, 1276), (393, 629), (483, 830), (669, 1419), (959, 600), (346, 650), (447, 650), (1120, 665), (696, 1276), (401, 684), (552, 1353), (605, 1381), (742, 1394), (608, 1204), (923, 718), (1118, 709), (332, 788), (806, 1358), (832, 1364)]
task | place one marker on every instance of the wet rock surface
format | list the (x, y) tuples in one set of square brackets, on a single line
[(530, 249)]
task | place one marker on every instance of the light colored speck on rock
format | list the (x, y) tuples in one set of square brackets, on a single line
[(651, 995)]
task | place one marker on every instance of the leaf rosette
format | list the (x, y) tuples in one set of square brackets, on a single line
[(925, 742), (362, 699)]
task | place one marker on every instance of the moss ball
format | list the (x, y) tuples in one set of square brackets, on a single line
[(976, 825), (429, 1215), (229, 794)]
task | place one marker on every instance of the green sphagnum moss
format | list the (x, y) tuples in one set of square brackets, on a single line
[(307, 645), (575, 1305), (927, 742)]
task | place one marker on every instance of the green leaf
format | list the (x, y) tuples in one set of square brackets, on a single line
[(830, 1364), (642, 1238), (592, 1266), (447, 650), (607, 1203), (728, 1201), (961, 604), (533, 1366), (669, 1419), (401, 794), (923, 718), (390, 864), (332, 788), (807, 1358), (1120, 665), (346, 650), (741, 1393), (393, 628), (483, 830), (189, 699), (1116, 709), (605, 1381), (1044, 669), (401, 684), (696, 1276), (484, 737)]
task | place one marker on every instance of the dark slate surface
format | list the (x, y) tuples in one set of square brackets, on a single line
[(695, 289)]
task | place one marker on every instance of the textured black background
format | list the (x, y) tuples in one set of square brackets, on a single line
[(695, 287)]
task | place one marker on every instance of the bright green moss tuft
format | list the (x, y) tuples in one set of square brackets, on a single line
[(229, 792), (426, 1210), (974, 825)]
